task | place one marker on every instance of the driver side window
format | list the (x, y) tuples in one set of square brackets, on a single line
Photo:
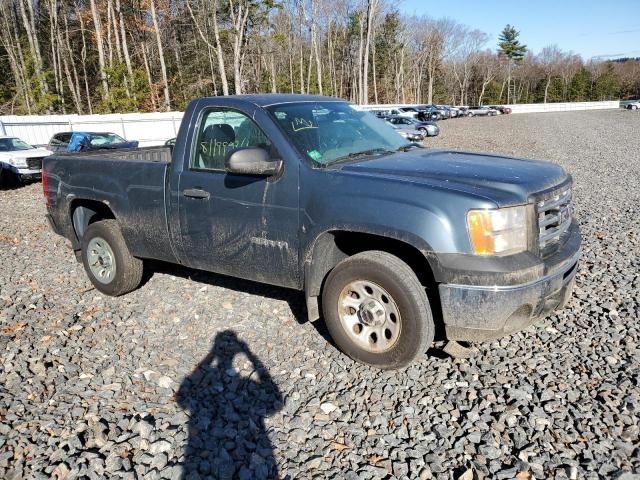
[(221, 131)]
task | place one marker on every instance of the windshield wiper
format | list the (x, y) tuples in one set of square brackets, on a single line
[(409, 146), (364, 153)]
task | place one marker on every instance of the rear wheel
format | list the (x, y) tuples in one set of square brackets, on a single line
[(376, 310), (107, 260)]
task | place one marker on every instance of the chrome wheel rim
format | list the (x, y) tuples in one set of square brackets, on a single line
[(370, 316), (101, 260)]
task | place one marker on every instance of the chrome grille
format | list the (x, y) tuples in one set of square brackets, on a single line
[(35, 163), (555, 212)]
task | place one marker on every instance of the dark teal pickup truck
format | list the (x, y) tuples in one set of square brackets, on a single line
[(388, 240)]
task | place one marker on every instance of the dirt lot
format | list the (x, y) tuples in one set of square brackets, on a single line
[(203, 376)]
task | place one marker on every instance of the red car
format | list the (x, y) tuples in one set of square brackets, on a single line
[(501, 108)]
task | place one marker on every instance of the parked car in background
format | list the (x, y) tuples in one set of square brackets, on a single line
[(501, 109), (380, 113), (19, 161), (443, 112), (481, 111), (455, 111), (86, 141), (428, 129), (633, 105), (409, 112), (449, 112), (429, 112), (407, 131)]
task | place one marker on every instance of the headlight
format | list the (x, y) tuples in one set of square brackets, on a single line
[(18, 161), (501, 231), (403, 133)]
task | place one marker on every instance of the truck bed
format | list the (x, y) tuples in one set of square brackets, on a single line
[(131, 182)]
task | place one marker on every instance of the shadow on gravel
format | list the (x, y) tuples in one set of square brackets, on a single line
[(227, 435), (294, 299)]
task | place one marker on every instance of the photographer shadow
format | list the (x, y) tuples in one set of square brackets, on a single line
[(227, 434)]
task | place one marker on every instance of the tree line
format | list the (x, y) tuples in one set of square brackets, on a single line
[(97, 56)]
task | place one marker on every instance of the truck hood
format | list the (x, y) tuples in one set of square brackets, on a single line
[(503, 180)]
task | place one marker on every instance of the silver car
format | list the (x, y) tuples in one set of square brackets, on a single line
[(481, 112), (408, 132)]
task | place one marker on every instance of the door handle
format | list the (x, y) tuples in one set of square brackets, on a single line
[(196, 193)]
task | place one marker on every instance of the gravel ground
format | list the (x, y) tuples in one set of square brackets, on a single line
[(199, 376)]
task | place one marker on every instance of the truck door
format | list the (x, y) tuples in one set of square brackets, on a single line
[(239, 225)]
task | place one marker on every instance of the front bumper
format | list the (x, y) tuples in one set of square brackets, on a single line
[(25, 173), (415, 137), (484, 312)]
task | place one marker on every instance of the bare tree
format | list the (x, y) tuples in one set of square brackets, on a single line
[(550, 59), (217, 47), (488, 66), (97, 23), (163, 66), (239, 13), (29, 21), (371, 10)]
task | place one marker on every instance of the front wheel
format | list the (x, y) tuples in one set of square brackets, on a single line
[(376, 310), (107, 260), (469, 115)]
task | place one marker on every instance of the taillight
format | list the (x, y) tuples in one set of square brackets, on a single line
[(45, 186)]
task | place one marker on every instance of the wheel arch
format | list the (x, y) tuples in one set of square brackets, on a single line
[(333, 246), (84, 212)]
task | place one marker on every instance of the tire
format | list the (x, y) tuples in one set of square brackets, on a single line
[(469, 114), (9, 179), (424, 132), (105, 237), (633, 107), (361, 298)]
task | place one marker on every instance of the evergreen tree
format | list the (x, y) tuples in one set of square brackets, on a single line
[(510, 47), (580, 86), (607, 85)]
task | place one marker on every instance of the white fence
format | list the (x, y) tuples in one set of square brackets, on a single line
[(522, 107), (156, 128), (563, 107), (148, 128)]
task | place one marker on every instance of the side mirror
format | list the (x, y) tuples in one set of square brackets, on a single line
[(251, 161)]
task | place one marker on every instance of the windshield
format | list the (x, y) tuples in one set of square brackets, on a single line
[(410, 121), (330, 132), (13, 144), (102, 139)]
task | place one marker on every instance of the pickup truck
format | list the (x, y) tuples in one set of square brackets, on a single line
[(389, 241), (19, 161)]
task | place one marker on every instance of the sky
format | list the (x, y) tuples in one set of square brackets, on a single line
[(591, 28)]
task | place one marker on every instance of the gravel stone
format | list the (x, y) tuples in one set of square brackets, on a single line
[(196, 375)]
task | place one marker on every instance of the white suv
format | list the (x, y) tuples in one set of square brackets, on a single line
[(20, 161)]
